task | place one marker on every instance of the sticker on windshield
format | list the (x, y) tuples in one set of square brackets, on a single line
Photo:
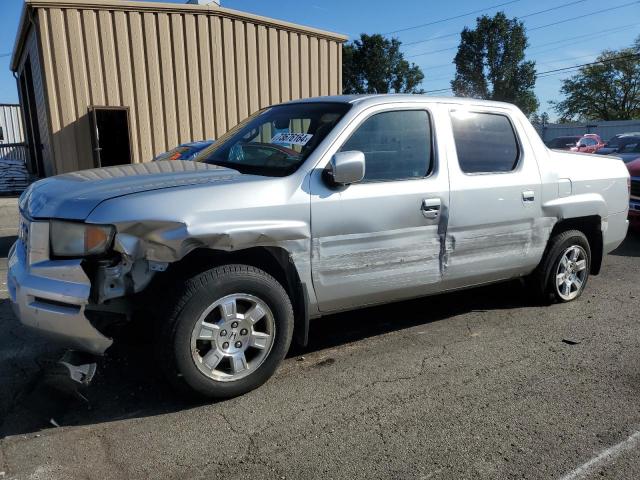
[(292, 138)]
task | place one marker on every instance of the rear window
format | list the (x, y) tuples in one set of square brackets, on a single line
[(174, 154), (485, 142)]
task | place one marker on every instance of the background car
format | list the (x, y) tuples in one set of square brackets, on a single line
[(634, 201), (186, 151), (619, 142), (629, 153), (564, 143), (589, 143)]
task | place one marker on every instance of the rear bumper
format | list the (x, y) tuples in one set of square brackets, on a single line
[(53, 306), (614, 231)]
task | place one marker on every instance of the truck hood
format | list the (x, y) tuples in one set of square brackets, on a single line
[(73, 196)]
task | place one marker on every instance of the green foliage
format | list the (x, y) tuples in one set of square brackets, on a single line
[(605, 91), (375, 64), (541, 119), (490, 63)]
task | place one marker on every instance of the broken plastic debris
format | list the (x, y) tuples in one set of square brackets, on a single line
[(80, 373), (72, 372)]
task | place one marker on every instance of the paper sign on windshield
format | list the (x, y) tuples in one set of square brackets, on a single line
[(292, 138)]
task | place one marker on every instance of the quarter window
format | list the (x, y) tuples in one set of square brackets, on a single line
[(396, 145), (485, 142)]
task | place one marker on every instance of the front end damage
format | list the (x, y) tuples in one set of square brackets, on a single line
[(82, 302), (77, 302), (53, 299)]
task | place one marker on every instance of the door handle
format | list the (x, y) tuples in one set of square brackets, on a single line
[(430, 208), (528, 196)]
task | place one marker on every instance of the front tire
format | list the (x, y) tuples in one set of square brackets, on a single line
[(227, 332), (563, 273)]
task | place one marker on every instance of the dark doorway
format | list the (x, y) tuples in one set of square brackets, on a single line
[(35, 164), (110, 136)]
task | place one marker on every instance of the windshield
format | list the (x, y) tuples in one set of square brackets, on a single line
[(614, 142), (275, 141)]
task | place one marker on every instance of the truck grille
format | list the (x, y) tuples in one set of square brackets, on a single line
[(23, 231), (635, 187)]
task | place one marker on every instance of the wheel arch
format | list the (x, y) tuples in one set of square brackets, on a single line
[(591, 226), (276, 261)]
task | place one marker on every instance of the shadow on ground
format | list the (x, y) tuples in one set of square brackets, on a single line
[(125, 386), (5, 245), (630, 247)]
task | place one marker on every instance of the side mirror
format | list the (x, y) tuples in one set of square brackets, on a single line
[(346, 168)]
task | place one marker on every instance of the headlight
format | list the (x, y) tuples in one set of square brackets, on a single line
[(71, 239)]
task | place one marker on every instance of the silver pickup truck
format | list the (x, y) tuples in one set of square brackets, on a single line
[(306, 209)]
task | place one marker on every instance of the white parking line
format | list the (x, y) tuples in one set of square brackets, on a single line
[(605, 456)]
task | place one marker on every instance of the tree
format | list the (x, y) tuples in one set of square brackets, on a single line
[(544, 118), (375, 64), (539, 120), (490, 63), (609, 90)]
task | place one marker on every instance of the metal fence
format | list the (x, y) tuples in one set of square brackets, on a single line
[(14, 176), (10, 124), (18, 152), (606, 130)]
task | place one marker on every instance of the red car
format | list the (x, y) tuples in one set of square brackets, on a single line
[(589, 143), (634, 201)]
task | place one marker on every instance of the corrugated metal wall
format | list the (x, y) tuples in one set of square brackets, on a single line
[(30, 53), (185, 75), (606, 129), (11, 124)]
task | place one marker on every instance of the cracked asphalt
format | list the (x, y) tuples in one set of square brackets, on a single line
[(476, 384)]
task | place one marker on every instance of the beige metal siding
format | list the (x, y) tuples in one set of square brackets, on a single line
[(185, 74), (30, 52)]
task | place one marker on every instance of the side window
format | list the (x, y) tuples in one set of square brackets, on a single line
[(485, 142), (396, 145)]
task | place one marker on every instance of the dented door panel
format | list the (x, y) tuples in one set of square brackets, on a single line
[(496, 228), (371, 242)]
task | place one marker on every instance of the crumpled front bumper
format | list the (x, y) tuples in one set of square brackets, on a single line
[(50, 296)]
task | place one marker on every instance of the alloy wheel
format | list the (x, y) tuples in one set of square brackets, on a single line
[(571, 272), (233, 337)]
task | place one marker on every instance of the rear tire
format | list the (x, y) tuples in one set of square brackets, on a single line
[(226, 332), (563, 273)]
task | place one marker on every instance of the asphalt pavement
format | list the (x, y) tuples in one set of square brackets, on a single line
[(476, 384)]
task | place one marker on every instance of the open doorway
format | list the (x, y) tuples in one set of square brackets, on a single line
[(110, 136), (35, 164)]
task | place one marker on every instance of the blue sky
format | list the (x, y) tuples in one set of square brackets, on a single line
[(552, 47)]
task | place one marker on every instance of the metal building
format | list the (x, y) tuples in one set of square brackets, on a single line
[(10, 124), (106, 82)]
